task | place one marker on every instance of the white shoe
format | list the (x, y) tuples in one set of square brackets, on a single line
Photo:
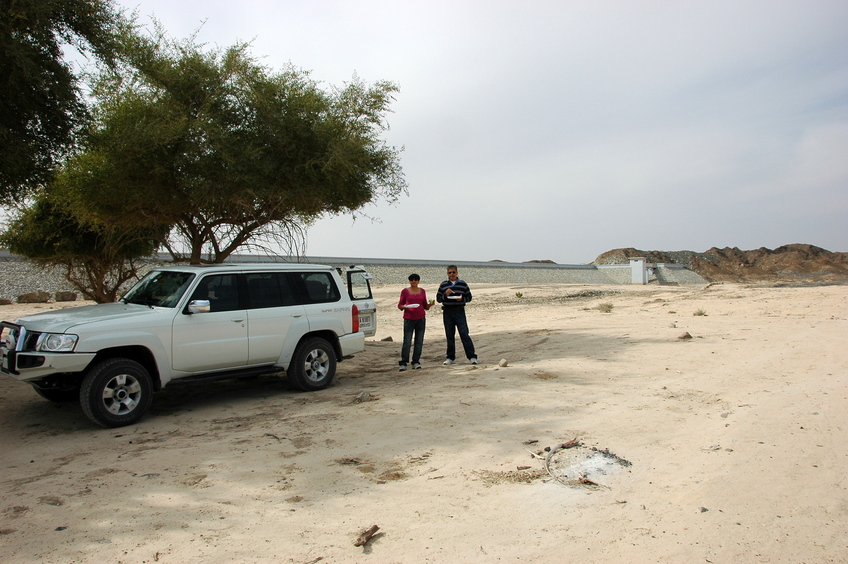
[(447, 361), (402, 368), (474, 360), (416, 366)]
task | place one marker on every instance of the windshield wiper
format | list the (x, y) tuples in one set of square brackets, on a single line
[(148, 303)]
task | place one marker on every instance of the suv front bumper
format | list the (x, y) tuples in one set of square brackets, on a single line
[(33, 365)]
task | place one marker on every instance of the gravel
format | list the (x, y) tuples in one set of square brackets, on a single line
[(18, 276)]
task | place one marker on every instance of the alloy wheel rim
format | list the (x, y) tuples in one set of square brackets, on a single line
[(317, 365), (121, 394)]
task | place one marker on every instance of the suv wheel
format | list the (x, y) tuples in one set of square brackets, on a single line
[(313, 365), (116, 392)]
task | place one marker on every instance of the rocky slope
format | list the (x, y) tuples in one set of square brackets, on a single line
[(790, 264)]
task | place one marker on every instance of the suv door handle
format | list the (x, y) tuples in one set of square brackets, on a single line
[(237, 320)]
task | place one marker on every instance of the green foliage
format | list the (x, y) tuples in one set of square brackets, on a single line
[(197, 150), (519, 295), (97, 259), (40, 104), (224, 148)]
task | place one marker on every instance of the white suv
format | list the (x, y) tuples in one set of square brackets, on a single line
[(184, 324)]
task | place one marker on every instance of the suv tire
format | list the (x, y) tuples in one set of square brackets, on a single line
[(313, 365), (116, 392)]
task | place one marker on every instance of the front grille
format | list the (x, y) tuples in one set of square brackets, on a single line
[(10, 339), (30, 342), (16, 338)]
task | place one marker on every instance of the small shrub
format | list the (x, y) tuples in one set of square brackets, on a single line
[(605, 307), (519, 295), (700, 313)]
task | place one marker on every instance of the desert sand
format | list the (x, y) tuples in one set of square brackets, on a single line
[(730, 446)]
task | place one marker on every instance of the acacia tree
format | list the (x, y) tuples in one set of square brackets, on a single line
[(40, 105), (97, 259), (226, 150)]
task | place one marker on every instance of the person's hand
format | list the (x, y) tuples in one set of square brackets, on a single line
[(448, 292)]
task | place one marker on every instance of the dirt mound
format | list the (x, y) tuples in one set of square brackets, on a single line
[(789, 264), (545, 261)]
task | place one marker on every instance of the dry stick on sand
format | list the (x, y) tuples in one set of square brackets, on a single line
[(366, 535), (570, 444)]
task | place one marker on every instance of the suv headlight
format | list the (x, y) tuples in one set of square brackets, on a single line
[(56, 342)]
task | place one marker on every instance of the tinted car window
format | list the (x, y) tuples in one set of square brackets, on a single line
[(221, 290), (287, 289), (263, 290), (317, 287)]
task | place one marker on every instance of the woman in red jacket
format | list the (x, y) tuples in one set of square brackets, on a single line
[(413, 302)]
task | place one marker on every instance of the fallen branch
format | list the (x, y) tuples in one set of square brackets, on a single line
[(570, 444), (366, 535)]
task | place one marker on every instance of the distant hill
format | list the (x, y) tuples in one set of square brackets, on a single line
[(791, 264)]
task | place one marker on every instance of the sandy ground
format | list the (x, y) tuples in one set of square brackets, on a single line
[(731, 446)]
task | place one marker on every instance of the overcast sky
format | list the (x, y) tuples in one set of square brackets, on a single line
[(562, 129)]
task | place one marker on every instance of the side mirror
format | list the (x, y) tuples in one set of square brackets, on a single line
[(199, 306)]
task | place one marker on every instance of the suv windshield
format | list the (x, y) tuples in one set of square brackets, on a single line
[(159, 288)]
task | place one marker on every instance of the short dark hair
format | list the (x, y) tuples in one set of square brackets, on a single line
[(453, 267), (414, 276)]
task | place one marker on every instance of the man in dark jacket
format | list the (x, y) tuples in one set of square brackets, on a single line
[(453, 294)]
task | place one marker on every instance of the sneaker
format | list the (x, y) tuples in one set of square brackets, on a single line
[(416, 366), (402, 368), (448, 361), (474, 360)]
